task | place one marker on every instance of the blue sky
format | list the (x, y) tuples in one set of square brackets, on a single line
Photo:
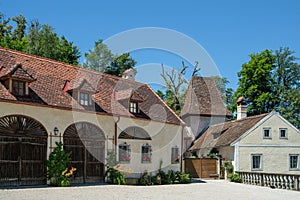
[(228, 30)]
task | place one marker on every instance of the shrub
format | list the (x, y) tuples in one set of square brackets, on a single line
[(162, 178), (57, 171), (145, 179), (113, 175), (235, 178)]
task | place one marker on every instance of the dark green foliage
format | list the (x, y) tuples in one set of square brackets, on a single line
[(162, 178), (43, 41), (120, 64), (40, 40), (213, 153), (98, 58), (145, 179), (227, 165), (235, 178), (57, 171), (271, 81), (113, 175)]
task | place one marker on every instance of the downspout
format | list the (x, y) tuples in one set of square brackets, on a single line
[(182, 146), (116, 136)]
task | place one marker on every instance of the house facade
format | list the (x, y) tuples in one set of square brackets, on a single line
[(44, 101), (271, 146), (264, 143)]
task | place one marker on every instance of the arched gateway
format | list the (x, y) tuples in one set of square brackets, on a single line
[(87, 143), (23, 151)]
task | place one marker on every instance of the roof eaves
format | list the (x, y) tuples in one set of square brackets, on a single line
[(253, 128)]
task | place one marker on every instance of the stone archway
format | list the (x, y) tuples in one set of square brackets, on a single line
[(23, 151), (87, 143)]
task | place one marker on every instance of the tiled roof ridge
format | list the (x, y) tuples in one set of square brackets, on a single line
[(172, 111), (65, 64), (240, 120)]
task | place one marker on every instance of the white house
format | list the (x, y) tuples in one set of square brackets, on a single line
[(43, 101)]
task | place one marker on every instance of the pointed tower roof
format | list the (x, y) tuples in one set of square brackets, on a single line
[(204, 98)]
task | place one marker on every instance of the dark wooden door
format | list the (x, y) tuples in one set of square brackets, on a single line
[(23, 151), (87, 144)]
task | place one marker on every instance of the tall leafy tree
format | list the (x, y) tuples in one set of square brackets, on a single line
[(43, 41), (38, 39), (120, 64), (255, 82), (98, 58), (286, 85), (226, 93), (271, 81)]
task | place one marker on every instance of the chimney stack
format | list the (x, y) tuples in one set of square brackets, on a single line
[(241, 108), (129, 74)]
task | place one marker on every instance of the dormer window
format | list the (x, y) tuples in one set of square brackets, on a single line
[(133, 107), (81, 90), (17, 80), (18, 88), (84, 99)]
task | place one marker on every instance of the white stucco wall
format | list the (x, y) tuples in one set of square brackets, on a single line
[(164, 136), (275, 151), (199, 123)]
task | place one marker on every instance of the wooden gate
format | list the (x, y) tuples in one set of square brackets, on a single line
[(201, 167), (23, 151), (87, 144)]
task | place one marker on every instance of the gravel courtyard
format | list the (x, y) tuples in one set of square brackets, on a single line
[(211, 189)]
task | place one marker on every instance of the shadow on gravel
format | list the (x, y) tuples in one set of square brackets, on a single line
[(197, 181)]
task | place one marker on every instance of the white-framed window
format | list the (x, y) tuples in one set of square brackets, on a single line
[(18, 88), (146, 153), (294, 162), (84, 98), (175, 158), (283, 133), (124, 153), (256, 162), (267, 134), (133, 107)]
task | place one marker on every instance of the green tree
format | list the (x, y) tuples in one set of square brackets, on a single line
[(13, 40), (98, 58), (271, 81), (120, 64), (286, 85), (19, 31), (255, 82), (43, 41), (226, 93)]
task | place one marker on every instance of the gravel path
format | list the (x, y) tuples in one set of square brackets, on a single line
[(211, 189)]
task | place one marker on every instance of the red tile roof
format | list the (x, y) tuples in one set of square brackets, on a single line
[(17, 72), (203, 98), (51, 77), (224, 134)]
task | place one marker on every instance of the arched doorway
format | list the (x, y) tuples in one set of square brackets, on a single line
[(23, 151), (87, 143)]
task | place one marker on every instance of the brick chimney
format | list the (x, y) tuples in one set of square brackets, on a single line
[(241, 108)]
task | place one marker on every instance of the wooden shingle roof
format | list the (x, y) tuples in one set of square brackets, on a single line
[(203, 98), (51, 76), (224, 134)]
